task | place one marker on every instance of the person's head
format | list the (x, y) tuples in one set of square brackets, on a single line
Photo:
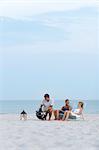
[(67, 101), (81, 105), (47, 97)]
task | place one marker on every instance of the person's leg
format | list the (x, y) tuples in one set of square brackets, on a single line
[(58, 114), (50, 110), (50, 115), (46, 115), (55, 114), (66, 115)]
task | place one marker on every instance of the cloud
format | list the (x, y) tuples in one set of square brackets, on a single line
[(25, 8), (64, 32)]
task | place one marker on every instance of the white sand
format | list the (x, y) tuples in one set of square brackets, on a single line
[(54, 135)]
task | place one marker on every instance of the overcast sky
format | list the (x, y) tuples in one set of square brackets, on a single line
[(49, 47)]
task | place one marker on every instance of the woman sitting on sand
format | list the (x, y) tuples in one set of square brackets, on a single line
[(77, 113), (67, 107)]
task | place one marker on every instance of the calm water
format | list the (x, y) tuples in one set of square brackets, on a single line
[(15, 107)]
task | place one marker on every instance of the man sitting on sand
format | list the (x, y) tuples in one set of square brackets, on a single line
[(23, 115), (48, 105), (67, 107)]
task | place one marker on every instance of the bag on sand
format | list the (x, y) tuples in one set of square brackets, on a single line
[(41, 114)]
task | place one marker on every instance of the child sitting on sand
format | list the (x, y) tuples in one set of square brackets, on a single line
[(77, 113), (23, 115)]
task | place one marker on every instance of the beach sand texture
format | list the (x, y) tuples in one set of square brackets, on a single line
[(34, 134)]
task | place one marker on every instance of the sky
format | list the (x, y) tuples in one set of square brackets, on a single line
[(49, 47)]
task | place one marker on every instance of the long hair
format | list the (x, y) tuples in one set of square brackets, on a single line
[(82, 104)]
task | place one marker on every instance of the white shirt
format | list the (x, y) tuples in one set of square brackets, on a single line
[(47, 104), (73, 112)]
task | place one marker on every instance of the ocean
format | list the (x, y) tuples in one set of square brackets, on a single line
[(30, 106)]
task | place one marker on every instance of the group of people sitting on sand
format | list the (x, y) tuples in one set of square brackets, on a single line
[(66, 112)]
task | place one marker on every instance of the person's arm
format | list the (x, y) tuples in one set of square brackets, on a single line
[(51, 104)]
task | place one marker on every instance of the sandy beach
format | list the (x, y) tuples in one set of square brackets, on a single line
[(34, 134)]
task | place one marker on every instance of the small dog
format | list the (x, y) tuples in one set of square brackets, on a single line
[(23, 115)]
